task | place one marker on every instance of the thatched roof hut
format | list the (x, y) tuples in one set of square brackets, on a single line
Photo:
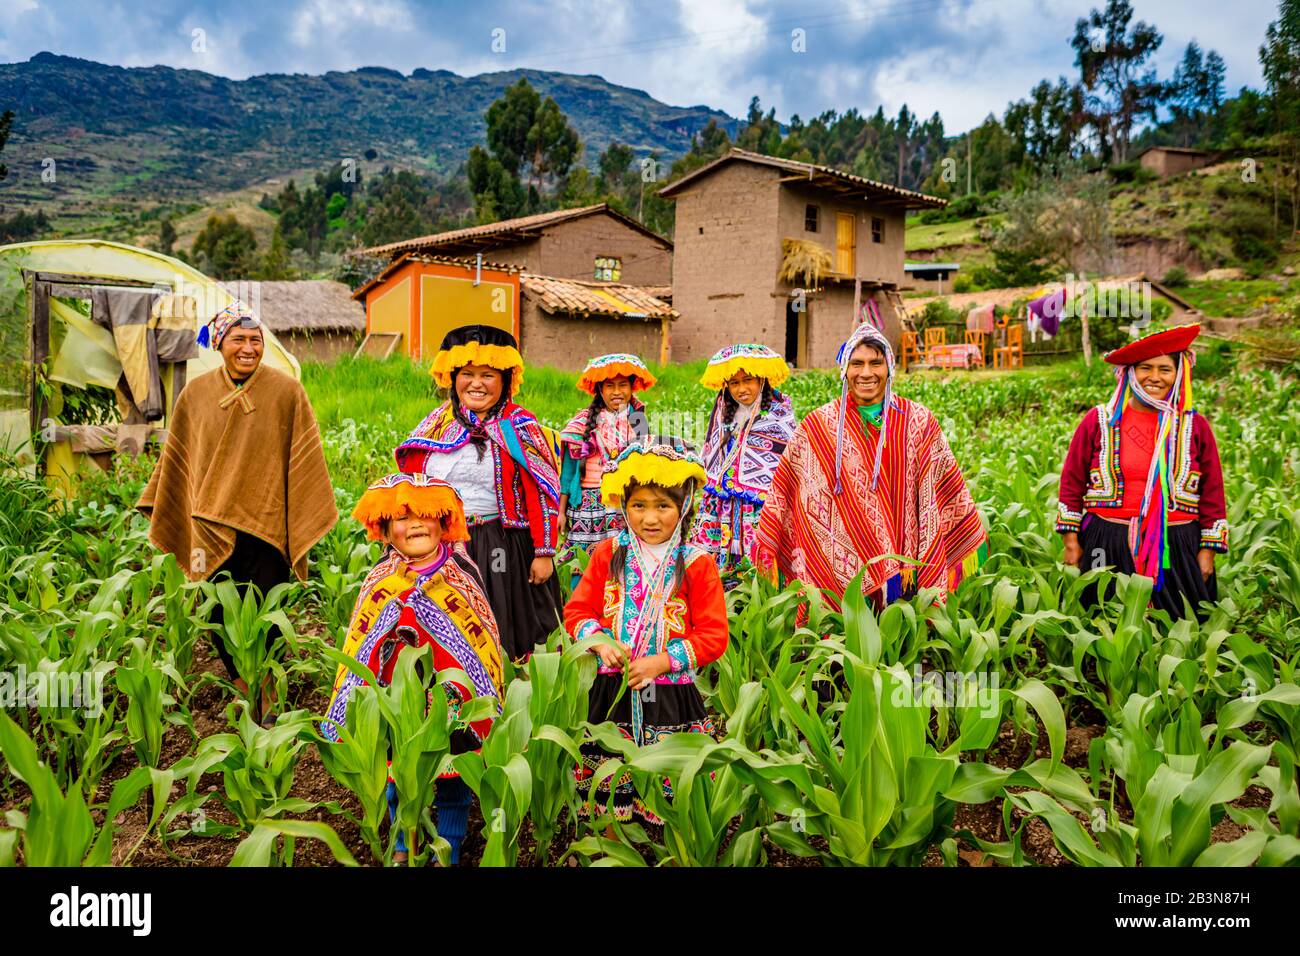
[(316, 318)]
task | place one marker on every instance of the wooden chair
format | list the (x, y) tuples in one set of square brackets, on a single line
[(933, 337), (909, 352), (976, 337), (1011, 355)]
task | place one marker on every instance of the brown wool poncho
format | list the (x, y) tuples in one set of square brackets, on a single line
[(239, 459)]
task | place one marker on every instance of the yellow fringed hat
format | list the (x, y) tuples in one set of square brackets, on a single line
[(613, 365), (758, 360), (648, 464), (478, 345), (395, 496)]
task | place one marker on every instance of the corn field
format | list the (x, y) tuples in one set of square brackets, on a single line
[(1009, 727)]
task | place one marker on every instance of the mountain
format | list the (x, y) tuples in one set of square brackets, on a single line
[(138, 135)]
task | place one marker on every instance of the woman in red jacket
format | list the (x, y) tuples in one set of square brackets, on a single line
[(661, 601), (1142, 487)]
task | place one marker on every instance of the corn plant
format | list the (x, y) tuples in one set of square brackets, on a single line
[(556, 695), (57, 828), (143, 683), (419, 730), (1267, 843), (358, 760), (246, 628), (272, 844), (257, 767), (500, 776)]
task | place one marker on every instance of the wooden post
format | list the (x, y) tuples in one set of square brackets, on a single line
[(665, 340), (857, 301), (1087, 342)]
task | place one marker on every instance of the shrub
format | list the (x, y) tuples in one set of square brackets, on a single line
[(1176, 277)]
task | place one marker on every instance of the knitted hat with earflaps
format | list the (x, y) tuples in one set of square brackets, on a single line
[(865, 334)]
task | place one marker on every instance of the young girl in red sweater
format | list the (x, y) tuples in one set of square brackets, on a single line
[(660, 599)]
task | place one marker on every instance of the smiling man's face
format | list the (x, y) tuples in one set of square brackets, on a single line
[(241, 350), (867, 374)]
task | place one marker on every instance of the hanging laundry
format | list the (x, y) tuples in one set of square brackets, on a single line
[(980, 318), (1048, 309)]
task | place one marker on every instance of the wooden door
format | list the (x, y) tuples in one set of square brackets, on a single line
[(845, 244)]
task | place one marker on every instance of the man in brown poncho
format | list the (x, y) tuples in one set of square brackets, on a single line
[(241, 485)]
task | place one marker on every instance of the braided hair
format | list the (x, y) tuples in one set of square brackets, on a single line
[(478, 435), (682, 495)]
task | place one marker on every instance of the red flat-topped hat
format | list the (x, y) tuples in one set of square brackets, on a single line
[(1169, 342)]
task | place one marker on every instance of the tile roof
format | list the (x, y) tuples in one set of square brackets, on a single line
[(580, 297)]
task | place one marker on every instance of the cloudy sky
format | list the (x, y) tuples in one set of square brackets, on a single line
[(963, 58)]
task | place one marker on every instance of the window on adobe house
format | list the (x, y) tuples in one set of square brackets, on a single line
[(877, 230), (810, 216), (608, 268)]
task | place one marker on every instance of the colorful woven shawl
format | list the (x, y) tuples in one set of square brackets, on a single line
[(1150, 540), (516, 431), (444, 607), (752, 448), (918, 526)]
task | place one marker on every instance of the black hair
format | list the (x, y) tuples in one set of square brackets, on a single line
[(678, 494), (769, 398), (598, 405), (477, 435)]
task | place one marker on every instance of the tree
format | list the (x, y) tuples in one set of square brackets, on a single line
[(1044, 129), (6, 124), (275, 264), (509, 120), (166, 237), (1280, 57), (1111, 60), (552, 144), (1195, 93), (225, 248), (613, 163)]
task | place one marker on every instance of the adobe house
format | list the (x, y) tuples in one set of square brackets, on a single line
[(566, 322), (589, 243), (1167, 161), (316, 319), (734, 216)]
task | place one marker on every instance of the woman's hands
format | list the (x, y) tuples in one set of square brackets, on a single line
[(1073, 553), (541, 570), (645, 669), (1205, 560), (611, 655), (641, 672)]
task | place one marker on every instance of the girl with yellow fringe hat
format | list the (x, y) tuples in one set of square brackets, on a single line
[(748, 430), (659, 602), (592, 438), (497, 456), (425, 591)]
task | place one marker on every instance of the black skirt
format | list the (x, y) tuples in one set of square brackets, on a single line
[(526, 613), (665, 709), (1109, 541)]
